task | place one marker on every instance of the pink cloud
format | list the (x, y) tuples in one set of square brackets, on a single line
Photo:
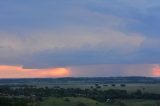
[(20, 72), (156, 70)]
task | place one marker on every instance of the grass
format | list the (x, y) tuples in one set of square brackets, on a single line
[(89, 102), (137, 103), (150, 88), (72, 102)]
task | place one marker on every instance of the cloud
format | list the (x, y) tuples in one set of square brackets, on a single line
[(143, 5), (112, 70), (59, 33), (156, 70), (7, 71), (103, 70), (68, 39), (65, 46)]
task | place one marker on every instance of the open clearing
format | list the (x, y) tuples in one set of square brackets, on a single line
[(79, 101), (150, 88)]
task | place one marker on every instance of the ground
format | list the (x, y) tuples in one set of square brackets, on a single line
[(150, 88), (72, 102), (89, 102)]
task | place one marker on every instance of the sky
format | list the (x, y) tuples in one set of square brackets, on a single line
[(79, 38)]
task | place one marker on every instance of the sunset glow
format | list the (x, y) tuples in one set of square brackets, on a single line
[(20, 72), (156, 71)]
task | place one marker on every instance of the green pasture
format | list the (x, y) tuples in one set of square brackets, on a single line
[(72, 102), (79, 101), (150, 88)]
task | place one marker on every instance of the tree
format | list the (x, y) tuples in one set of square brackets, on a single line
[(81, 104), (67, 100), (113, 85), (122, 85)]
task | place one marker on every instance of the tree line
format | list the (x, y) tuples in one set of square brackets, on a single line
[(99, 95)]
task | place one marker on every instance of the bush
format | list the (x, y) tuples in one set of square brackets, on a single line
[(81, 104), (122, 85), (67, 100), (113, 85)]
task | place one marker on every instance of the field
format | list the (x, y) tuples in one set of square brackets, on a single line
[(71, 102), (89, 102), (150, 88), (81, 92)]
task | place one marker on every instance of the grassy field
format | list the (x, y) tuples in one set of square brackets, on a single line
[(150, 88), (72, 102), (79, 101)]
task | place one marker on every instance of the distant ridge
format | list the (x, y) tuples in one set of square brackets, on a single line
[(89, 80)]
